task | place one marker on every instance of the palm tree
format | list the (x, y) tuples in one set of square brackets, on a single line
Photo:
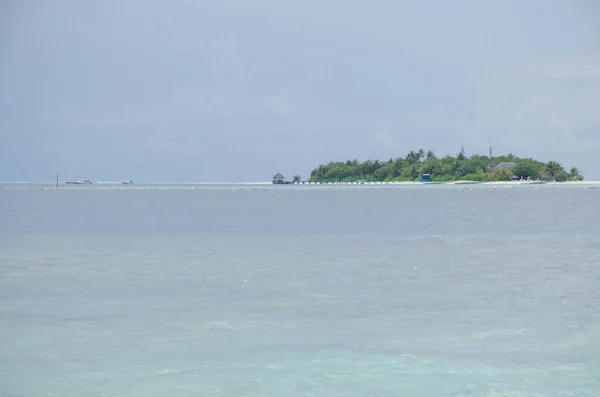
[(414, 171), (421, 154), (552, 168), (430, 155), (575, 173), (412, 157), (461, 156)]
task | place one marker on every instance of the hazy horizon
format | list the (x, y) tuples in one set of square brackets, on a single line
[(225, 91)]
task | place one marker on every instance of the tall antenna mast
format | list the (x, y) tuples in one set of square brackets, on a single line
[(490, 151)]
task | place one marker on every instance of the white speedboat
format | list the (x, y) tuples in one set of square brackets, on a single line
[(127, 182)]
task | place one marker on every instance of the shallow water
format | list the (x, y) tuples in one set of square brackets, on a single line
[(297, 292)]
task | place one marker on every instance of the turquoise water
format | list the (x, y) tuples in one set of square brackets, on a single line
[(300, 292)]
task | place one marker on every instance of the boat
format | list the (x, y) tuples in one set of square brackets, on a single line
[(79, 182), (127, 182)]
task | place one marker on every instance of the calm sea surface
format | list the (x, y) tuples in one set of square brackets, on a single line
[(238, 290)]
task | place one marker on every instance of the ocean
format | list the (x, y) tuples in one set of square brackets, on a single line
[(260, 290)]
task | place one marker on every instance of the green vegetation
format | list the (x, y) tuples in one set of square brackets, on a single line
[(448, 168)]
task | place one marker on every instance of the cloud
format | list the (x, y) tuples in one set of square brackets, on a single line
[(227, 90)]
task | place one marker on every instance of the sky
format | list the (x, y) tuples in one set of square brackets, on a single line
[(237, 90)]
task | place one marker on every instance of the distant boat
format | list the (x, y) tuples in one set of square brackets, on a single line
[(79, 182), (127, 182)]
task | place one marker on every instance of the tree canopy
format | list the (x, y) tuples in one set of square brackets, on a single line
[(448, 168)]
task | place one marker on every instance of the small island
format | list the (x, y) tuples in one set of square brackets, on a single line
[(421, 165)]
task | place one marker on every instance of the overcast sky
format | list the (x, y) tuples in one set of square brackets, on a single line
[(238, 90)]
